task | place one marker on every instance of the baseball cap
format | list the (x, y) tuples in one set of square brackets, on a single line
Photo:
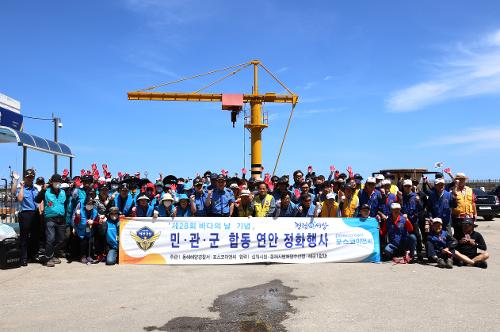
[(371, 180), (245, 192), (183, 196), (330, 196), (438, 220), (197, 181), (365, 207), (380, 177), (407, 183), (395, 206), (460, 176), (439, 180), (386, 182), (234, 186)]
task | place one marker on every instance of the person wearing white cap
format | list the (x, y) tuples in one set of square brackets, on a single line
[(328, 208), (143, 208), (244, 208), (466, 203), (411, 207), (388, 198), (166, 207), (440, 245), (371, 196), (401, 241), (379, 178), (440, 202)]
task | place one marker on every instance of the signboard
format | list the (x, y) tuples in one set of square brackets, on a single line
[(205, 240), (11, 119), (10, 104)]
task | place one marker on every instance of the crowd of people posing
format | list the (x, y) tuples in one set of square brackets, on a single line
[(78, 218)]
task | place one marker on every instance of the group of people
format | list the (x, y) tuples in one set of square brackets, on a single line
[(78, 218)]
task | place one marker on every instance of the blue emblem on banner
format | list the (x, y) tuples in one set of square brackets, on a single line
[(145, 238)]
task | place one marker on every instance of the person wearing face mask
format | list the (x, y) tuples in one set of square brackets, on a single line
[(166, 206), (54, 211), (85, 219), (158, 191), (112, 234)]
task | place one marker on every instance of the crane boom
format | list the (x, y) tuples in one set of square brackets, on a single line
[(209, 97), (256, 99)]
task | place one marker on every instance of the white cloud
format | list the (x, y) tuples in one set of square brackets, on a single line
[(328, 77), (483, 138), (468, 70), (282, 70)]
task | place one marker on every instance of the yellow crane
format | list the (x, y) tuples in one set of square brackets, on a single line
[(233, 103)]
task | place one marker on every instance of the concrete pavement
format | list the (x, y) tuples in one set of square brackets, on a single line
[(316, 297)]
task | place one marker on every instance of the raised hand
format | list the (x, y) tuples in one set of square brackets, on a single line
[(332, 168)]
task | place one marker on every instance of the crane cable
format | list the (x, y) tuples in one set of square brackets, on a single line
[(222, 78), (284, 138), (192, 77)]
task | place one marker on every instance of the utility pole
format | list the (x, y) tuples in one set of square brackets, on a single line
[(57, 125)]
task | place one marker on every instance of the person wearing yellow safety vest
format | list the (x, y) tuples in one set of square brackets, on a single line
[(328, 208), (263, 203), (349, 202), (466, 204)]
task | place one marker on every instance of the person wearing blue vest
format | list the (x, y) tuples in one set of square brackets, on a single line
[(124, 201), (85, 217), (387, 197), (410, 208), (440, 203), (166, 207), (440, 245), (29, 218), (399, 231), (54, 211), (285, 207), (143, 208), (306, 207), (221, 199), (198, 199), (183, 208), (371, 196), (112, 234)]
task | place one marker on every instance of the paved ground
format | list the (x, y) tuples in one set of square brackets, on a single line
[(318, 297)]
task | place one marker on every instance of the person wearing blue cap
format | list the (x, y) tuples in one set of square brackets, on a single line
[(198, 199), (183, 208)]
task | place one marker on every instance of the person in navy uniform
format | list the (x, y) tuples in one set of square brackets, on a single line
[(29, 218), (221, 199)]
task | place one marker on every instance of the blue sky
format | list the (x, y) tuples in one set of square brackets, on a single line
[(382, 84)]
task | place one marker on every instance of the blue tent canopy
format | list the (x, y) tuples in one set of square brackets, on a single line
[(9, 135)]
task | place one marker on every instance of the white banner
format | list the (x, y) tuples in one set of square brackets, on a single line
[(204, 240)]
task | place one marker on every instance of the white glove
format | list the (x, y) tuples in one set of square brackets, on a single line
[(15, 175)]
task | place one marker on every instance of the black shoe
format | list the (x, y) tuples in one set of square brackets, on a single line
[(482, 265), (24, 263)]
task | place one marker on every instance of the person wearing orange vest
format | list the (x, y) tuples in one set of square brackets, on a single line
[(349, 202), (466, 204), (264, 204)]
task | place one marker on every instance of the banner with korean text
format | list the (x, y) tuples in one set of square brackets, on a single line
[(204, 240)]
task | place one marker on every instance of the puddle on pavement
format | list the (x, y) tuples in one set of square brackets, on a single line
[(259, 308)]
